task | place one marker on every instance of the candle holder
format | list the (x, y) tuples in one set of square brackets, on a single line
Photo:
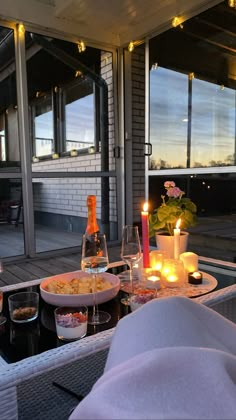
[(150, 279), (156, 259), (190, 261), (195, 278), (173, 273)]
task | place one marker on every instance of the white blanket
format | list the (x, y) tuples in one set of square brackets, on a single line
[(171, 359)]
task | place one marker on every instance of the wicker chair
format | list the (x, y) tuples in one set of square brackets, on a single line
[(26, 389)]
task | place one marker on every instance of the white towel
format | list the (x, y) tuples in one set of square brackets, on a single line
[(171, 359)]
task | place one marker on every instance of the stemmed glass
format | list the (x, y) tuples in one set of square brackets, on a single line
[(130, 253), (94, 260), (2, 318)]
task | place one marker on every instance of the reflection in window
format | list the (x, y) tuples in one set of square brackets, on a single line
[(79, 117), (64, 103), (213, 125), (9, 137), (168, 118), (43, 128)]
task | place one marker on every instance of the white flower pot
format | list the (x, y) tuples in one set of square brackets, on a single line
[(166, 243)]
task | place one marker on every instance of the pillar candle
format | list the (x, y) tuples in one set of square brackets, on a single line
[(177, 240), (145, 236)]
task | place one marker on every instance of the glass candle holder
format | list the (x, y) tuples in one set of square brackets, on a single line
[(173, 273), (156, 259)]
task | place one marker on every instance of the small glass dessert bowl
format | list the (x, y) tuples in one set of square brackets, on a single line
[(23, 306), (71, 323)]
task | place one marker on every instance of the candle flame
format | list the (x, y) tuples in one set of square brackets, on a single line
[(145, 207), (154, 278), (178, 223)]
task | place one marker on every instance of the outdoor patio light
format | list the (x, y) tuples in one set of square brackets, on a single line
[(232, 3), (134, 44), (177, 22), (81, 46), (131, 46)]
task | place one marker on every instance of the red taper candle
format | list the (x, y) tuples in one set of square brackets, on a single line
[(145, 236)]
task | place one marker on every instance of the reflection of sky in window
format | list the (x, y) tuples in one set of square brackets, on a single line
[(213, 121), (168, 108), (80, 119), (44, 126)]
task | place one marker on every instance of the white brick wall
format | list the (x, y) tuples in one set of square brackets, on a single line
[(67, 196)]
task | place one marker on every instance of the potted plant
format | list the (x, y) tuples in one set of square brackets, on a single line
[(163, 220)]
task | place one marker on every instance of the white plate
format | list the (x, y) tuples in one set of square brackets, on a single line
[(79, 299)]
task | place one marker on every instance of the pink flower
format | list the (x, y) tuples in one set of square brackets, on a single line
[(174, 192), (169, 184)]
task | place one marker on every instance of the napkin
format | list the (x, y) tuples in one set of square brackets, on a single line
[(171, 359)]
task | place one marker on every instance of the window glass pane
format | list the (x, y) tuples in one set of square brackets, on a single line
[(9, 136), (168, 118), (11, 218), (79, 121), (43, 125), (215, 198), (213, 125)]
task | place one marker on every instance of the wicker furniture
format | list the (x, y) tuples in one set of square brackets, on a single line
[(26, 389)]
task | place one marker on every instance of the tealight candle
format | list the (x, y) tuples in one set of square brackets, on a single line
[(190, 261), (195, 278), (153, 282)]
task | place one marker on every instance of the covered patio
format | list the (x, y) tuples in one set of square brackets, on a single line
[(113, 99)]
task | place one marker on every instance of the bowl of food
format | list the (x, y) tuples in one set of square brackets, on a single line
[(76, 288)]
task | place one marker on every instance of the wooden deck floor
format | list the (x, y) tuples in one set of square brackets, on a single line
[(43, 267)]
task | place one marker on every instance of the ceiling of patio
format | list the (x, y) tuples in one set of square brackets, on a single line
[(113, 22)]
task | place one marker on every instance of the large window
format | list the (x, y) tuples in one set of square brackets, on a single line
[(192, 93), (193, 124), (63, 97)]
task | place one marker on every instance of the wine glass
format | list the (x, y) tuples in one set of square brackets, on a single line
[(130, 253), (95, 260)]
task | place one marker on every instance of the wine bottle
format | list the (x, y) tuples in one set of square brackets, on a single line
[(92, 225), (92, 228)]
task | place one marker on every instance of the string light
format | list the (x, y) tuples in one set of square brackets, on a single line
[(191, 76), (78, 73), (131, 46), (232, 3), (177, 22), (21, 29), (134, 44), (81, 46)]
